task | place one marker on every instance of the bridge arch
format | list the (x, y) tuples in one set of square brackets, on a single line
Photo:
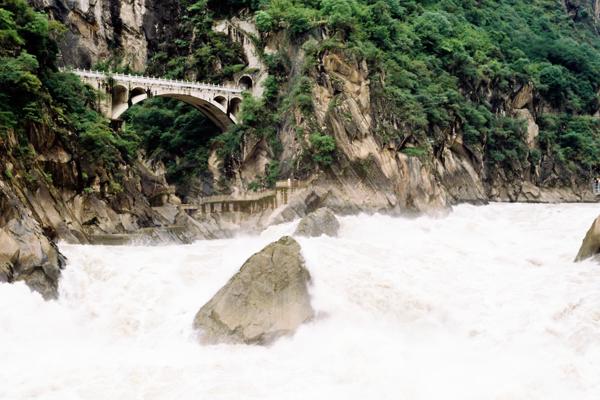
[(219, 113), (136, 95), (220, 110), (235, 106), (137, 91), (219, 103), (222, 101), (119, 94), (119, 99)]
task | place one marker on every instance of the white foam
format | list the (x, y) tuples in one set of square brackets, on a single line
[(483, 304)]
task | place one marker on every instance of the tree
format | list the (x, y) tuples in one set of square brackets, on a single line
[(339, 13), (264, 21)]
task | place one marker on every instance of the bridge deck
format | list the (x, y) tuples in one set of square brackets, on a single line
[(146, 80)]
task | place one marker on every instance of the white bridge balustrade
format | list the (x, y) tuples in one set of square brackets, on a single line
[(219, 103)]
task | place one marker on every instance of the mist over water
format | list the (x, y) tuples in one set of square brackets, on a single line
[(483, 304)]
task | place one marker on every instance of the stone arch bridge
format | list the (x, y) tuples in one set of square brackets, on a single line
[(219, 103)]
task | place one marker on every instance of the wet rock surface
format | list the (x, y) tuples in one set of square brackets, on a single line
[(266, 299), (590, 246), (26, 252), (317, 223)]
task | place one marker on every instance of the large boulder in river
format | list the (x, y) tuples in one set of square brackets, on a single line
[(317, 223), (591, 243), (266, 299)]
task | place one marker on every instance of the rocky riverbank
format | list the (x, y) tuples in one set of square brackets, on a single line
[(56, 189)]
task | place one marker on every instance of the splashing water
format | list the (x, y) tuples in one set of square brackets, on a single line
[(483, 304)]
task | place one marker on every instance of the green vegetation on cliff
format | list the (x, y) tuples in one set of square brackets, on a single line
[(176, 134), (27, 55), (35, 96), (451, 64), (436, 67)]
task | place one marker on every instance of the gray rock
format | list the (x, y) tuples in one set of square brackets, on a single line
[(26, 253), (266, 299), (39, 281), (317, 223), (591, 243), (6, 270)]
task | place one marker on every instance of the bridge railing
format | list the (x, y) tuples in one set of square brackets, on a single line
[(155, 81)]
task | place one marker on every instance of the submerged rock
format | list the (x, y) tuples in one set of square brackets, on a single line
[(591, 243), (317, 223), (266, 299)]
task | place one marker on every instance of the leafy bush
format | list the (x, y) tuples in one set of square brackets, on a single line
[(272, 174), (506, 146), (208, 48), (264, 21), (573, 138), (414, 151), (322, 148)]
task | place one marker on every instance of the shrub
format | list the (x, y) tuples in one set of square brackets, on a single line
[(414, 151), (322, 148), (264, 21)]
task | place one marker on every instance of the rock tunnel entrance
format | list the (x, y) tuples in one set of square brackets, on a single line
[(246, 83)]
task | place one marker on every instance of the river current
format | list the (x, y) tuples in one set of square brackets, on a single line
[(485, 303)]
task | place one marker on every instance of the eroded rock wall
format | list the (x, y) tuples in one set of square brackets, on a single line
[(101, 30), (372, 174), (27, 253)]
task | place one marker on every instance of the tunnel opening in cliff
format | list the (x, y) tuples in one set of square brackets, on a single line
[(180, 137)]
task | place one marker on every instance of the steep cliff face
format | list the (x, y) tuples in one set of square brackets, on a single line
[(369, 174), (323, 117), (452, 174), (368, 171), (26, 251), (102, 30), (372, 174), (77, 199)]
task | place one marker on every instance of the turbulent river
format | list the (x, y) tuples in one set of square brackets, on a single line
[(482, 304)]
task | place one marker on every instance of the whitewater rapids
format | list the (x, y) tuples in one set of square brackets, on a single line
[(482, 304)]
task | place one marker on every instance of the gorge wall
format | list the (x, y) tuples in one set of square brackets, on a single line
[(370, 170), (112, 31), (130, 33), (323, 117)]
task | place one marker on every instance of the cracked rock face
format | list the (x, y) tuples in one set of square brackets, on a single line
[(266, 299), (98, 30), (26, 253)]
